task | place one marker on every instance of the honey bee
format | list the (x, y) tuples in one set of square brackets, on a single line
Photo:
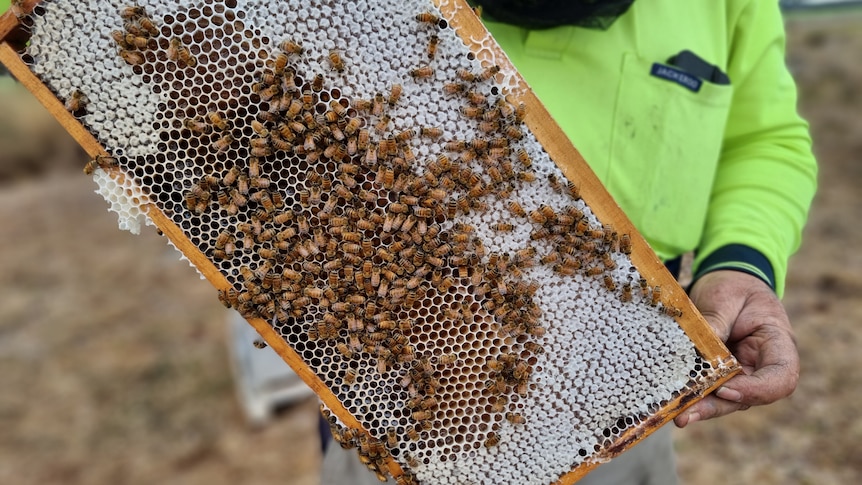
[(526, 176), (555, 184), (671, 311), (377, 104), (222, 239), (381, 124), (409, 157), (119, 37), (465, 75), (148, 25), (349, 376), (413, 435), (431, 132), (333, 265), (217, 121), (447, 359), (548, 212), (524, 158), (134, 27), (312, 292), (317, 83), (131, 12), (582, 227), (625, 244), (101, 161), (594, 271), (293, 110), (260, 151), (421, 72), (534, 347), (361, 104), (180, 54), (503, 227), (339, 152), (478, 99), (520, 112), (488, 126), (391, 437), (492, 115), (344, 350), (303, 225), (395, 94), (133, 41), (412, 461), (513, 132), (610, 284), (515, 418), (608, 261), (574, 191), (492, 440), (269, 92), (308, 100), (132, 58), (627, 292), (423, 212), (428, 18), (473, 112), (223, 143), (454, 88), (280, 63), (195, 125), (432, 46), (488, 73), (423, 415), (291, 47), (336, 61), (538, 217), (656, 295)]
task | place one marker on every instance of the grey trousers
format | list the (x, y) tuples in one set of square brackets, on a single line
[(651, 462)]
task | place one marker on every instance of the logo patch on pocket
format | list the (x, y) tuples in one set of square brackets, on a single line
[(672, 74)]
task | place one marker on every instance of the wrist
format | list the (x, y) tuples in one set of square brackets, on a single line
[(740, 258)]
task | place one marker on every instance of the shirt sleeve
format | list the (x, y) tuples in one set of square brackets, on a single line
[(766, 177)]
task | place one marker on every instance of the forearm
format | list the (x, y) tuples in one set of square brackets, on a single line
[(766, 176)]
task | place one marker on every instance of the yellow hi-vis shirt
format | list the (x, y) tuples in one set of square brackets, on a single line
[(723, 165)]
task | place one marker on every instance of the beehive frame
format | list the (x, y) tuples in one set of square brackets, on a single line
[(714, 364)]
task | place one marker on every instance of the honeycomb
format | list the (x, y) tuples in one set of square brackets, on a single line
[(366, 184)]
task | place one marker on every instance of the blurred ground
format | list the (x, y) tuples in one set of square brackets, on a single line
[(113, 362)]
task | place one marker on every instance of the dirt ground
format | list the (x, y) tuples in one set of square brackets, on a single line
[(113, 360)]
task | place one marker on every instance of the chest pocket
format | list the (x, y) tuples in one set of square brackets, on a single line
[(665, 145)]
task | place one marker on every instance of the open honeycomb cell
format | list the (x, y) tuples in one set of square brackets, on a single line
[(365, 183)]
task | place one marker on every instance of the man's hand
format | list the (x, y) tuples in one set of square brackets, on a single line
[(746, 314)]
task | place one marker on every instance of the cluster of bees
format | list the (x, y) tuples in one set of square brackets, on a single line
[(580, 247), (372, 452), (139, 36), (360, 243), (359, 265)]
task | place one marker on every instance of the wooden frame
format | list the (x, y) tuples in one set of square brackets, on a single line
[(558, 146)]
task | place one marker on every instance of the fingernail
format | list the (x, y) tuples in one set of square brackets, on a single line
[(693, 418), (728, 394)]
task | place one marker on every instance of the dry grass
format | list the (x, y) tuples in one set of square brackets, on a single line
[(113, 364)]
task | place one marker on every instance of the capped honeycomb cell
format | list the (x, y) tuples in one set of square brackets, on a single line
[(364, 181)]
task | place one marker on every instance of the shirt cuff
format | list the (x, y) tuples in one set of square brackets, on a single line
[(738, 257)]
